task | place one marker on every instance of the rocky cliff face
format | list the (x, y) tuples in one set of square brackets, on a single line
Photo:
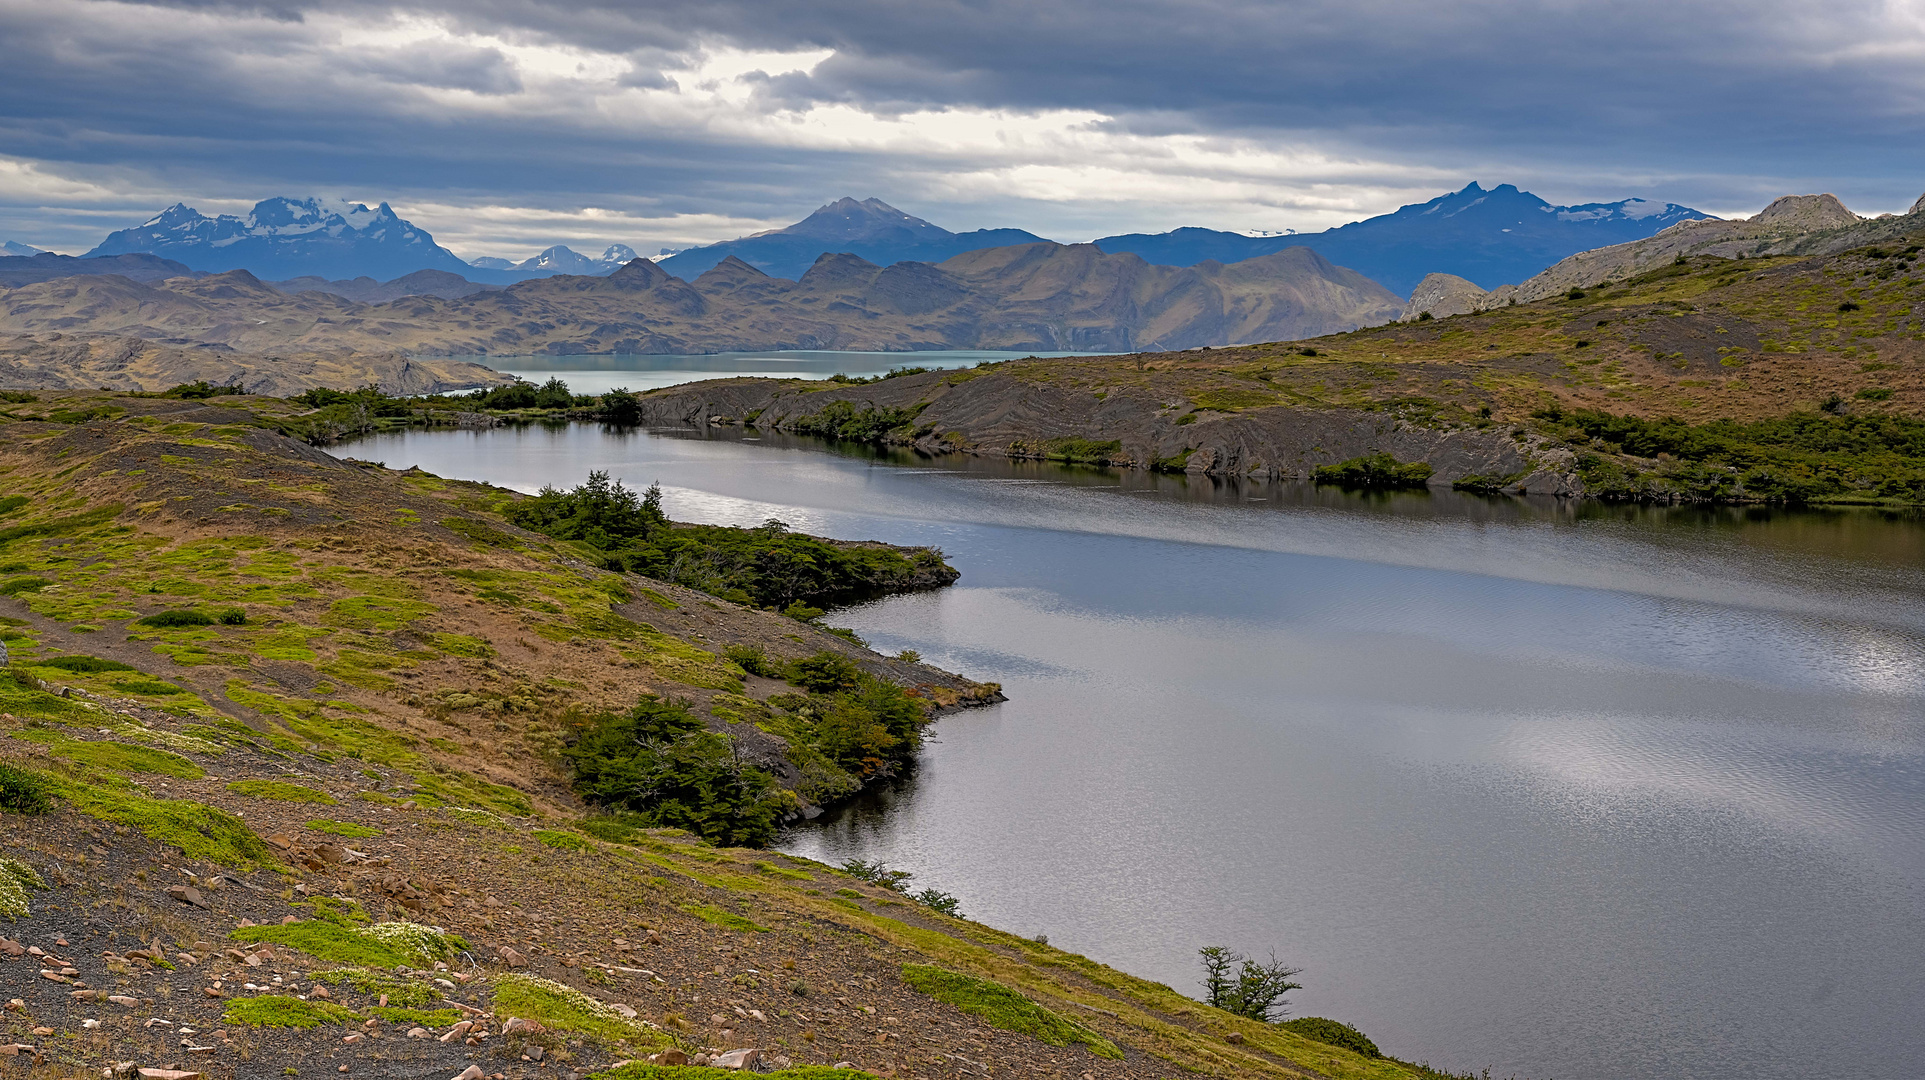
[(1034, 296)]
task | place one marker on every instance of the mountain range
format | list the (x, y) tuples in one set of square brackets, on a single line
[(288, 238), (18, 250), (559, 259), (870, 229), (1041, 296), (1490, 237)]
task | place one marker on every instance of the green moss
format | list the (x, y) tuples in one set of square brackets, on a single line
[(87, 664), (432, 1018), (462, 645), (377, 612), (421, 944), (782, 871), (147, 687), (199, 831), (23, 792), (566, 841), (119, 757), (1333, 1033), (563, 1008), (328, 941), (659, 600), (343, 828), (728, 920), (1001, 1007), (282, 1011), (402, 993), (16, 878), (280, 791)]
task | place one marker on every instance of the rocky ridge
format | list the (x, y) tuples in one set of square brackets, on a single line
[(1037, 296), (1791, 225)]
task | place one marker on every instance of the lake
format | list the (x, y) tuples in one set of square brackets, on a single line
[(598, 374), (1576, 791)]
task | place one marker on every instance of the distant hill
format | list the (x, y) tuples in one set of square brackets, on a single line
[(1791, 225), (1489, 237), (22, 250), (285, 238), (870, 229), (16, 271), (366, 290), (1041, 296)]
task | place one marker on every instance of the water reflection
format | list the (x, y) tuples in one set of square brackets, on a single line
[(1567, 790)]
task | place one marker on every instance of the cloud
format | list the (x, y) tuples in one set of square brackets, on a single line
[(676, 121)]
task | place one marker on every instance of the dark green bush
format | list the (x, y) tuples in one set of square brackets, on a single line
[(768, 566), (200, 388), (82, 664), (231, 616), (824, 673), (178, 618), (752, 659), (1373, 471), (842, 420), (659, 763), (16, 586), (1333, 1033), (22, 792)]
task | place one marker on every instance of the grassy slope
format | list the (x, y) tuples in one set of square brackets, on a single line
[(1712, 338), (420, 679)]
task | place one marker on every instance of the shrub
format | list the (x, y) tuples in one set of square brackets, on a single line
[(200, 388), (1374, 471), (1848, 306), (659, 763), (177, 618), (842, 420), (22, 792), (1237, 984), (752, 659), (1425, 316), (231, 616), (824, 673), (16, 586), (1332, 1033), (1875, 393)]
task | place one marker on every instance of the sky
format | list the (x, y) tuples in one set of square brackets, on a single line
[(503, 126)]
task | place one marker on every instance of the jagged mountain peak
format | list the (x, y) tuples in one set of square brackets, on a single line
[(286, 237)]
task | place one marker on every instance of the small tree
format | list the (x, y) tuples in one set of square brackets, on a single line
[(1237, 984)]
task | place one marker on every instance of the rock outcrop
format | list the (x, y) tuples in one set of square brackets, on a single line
[(1441, 295), (1007, 415)]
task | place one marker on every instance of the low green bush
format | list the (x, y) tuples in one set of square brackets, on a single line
[(1332, 1033), (752, 659), (1374, 471), (177, 618), (660, 763), (22, 792), (284, 1011)]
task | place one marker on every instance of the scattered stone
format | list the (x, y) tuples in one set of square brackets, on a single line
[(534, 1053), (122, 1000), (472, 1072), (516, 1025), (737, 1059), (457, 1031), (54, 976), (627, 1012), (16, 1005), (186, 894), (121, 1070), (87, 995), (210, 991), (669, 1057), (168, 1074), (289, 920), (12, 1049), (90, 1023), (12, 948), (319, 992), (420, 1033), (1235, 1038), (511, 957), (282, 841), (41, 1032)]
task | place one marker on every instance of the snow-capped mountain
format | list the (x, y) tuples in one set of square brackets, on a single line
[(1491, 236), (288, 238), (17, 250), (559, 259)]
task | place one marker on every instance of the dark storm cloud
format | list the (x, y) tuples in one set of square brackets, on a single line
[(1721, 104)]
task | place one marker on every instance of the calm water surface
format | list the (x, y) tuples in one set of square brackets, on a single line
[(601, 373), (1592, 794)]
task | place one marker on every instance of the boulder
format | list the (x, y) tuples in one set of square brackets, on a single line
[(749, 1059)]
